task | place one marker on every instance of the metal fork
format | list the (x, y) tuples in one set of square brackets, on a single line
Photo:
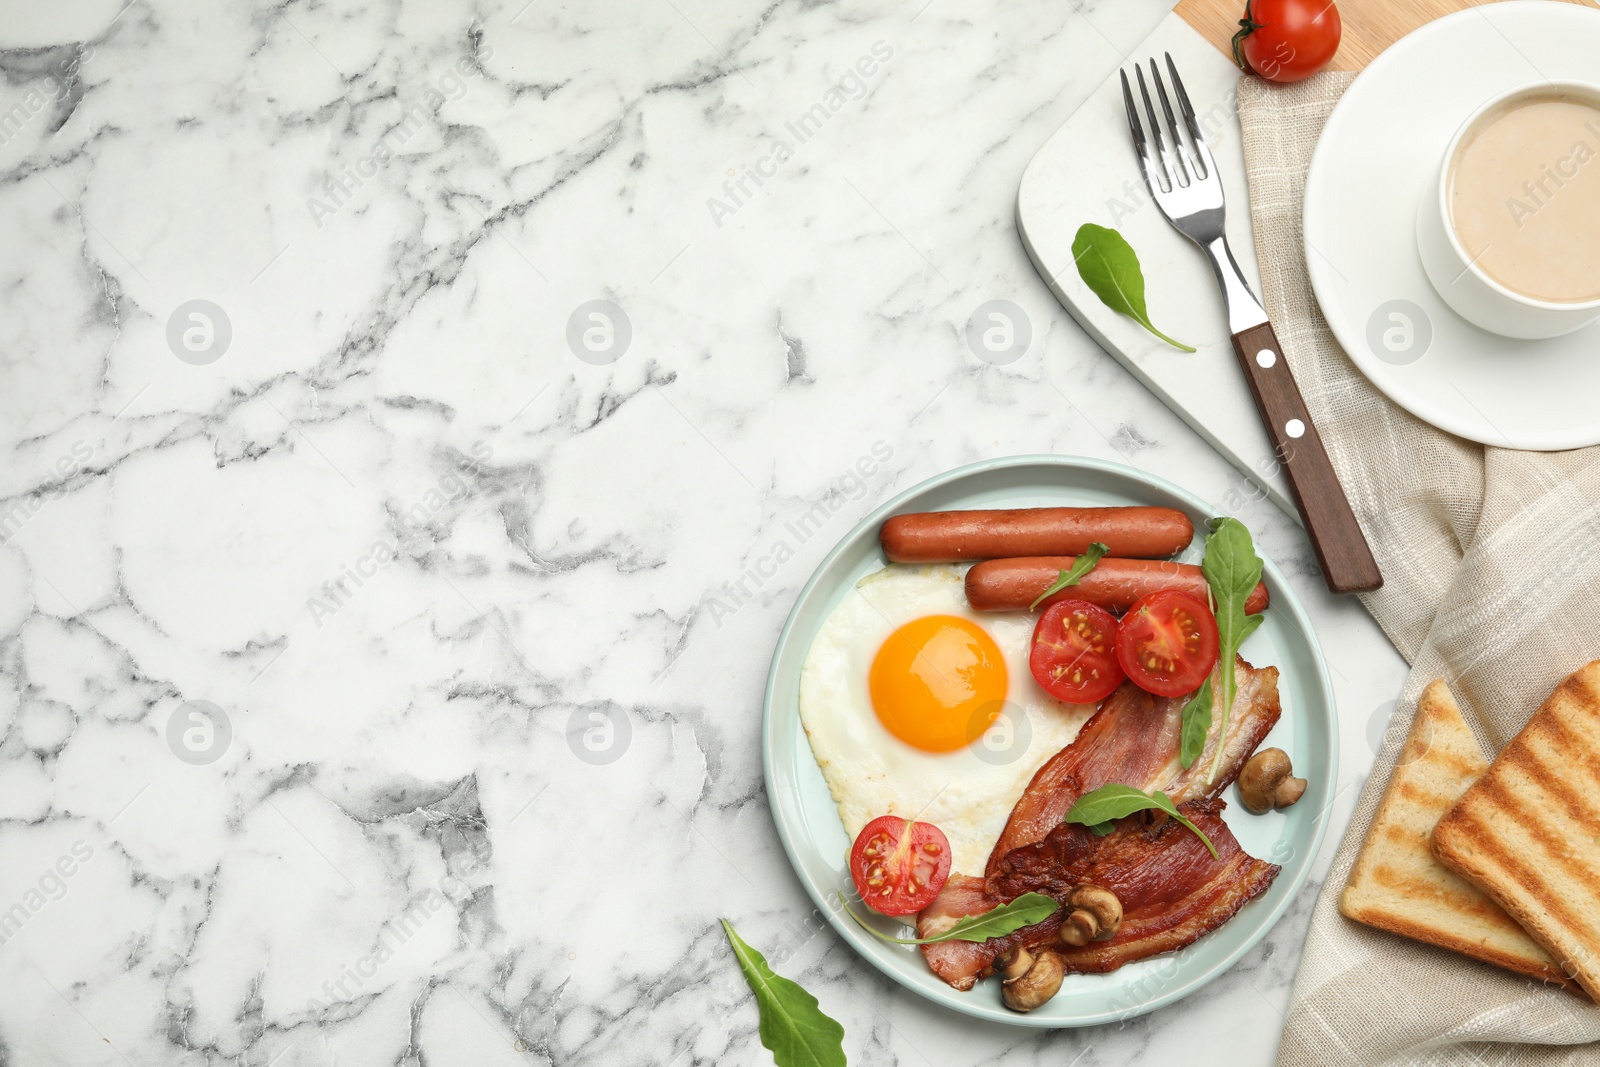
[(1183, 182)]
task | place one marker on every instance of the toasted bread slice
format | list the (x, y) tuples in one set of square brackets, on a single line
[(1528, 832), (1397, 885)]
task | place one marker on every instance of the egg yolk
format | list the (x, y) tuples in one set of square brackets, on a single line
[(938, 682)]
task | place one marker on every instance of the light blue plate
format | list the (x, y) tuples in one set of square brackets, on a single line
[(815, 839)]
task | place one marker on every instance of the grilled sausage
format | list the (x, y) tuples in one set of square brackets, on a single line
[(955, 536), (1114, 584)]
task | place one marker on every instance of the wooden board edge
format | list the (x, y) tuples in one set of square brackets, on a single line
[(1369, 26)]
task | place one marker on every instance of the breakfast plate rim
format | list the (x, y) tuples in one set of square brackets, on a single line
[(1327, 161), (789, 825)]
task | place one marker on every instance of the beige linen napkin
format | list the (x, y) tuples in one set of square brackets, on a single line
[(1491, 581)]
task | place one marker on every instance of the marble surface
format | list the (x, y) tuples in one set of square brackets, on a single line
[(382, 634)]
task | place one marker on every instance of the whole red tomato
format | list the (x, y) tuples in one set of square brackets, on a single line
[(1286, 40)]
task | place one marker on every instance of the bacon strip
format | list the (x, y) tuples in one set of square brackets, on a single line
[(1162, 872), (1172, 892), (1133, 739), (960, 963)]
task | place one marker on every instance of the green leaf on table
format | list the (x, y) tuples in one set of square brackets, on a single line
[(1026, 910), (1103, 806), (793, 1028), (1232, 570), (1074, 574), (1109, 266)]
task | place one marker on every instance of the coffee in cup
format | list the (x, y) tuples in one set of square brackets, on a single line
[(1510, 231)]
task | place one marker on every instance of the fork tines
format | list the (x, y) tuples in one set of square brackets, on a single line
[(1183, 164)]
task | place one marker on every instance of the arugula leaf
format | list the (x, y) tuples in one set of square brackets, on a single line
[(793, 1028), (1108, 266), (1101, 807), (1195, 724), (1232, 570), (1080, 566), (1112, 802), (1026, 910)]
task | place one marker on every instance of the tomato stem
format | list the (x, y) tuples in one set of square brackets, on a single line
[(1247, 26)]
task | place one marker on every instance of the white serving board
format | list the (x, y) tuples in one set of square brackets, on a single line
[(1087, 172)]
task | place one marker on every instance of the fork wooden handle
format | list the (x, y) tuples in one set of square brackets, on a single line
[(1341, 547)]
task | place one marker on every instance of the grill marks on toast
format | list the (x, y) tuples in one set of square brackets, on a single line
[(1528, 832), (1531, 828), (1397, 885)]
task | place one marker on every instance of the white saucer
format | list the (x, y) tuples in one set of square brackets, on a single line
[(1381, 147)]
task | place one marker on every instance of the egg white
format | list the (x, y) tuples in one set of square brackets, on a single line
[(870, 772)]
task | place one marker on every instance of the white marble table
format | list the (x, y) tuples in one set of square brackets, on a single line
[(321, 600)]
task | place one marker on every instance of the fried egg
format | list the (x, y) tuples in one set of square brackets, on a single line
[(918, 706)]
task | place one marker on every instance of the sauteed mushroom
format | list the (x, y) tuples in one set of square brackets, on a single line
[(1093, 915), (1267, 782), (1027, 980)]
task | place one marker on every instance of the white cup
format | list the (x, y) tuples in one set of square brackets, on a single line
[(1464, 285)]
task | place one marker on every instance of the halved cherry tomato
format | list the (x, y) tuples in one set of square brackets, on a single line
[(1286, 40), (1167, 643), (898, 866), (1073, 654)]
